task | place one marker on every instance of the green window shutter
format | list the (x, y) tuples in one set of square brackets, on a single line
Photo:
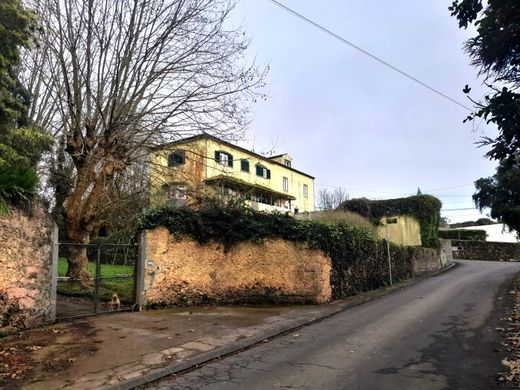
[(217, 156), (171, 160), (180, 157), (268, 173), (259, 170), (230, 160), (244, 165)]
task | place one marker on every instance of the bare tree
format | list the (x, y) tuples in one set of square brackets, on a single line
[(117, 78), (331, 200)]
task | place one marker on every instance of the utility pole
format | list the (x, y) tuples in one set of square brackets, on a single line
[(388, 222)]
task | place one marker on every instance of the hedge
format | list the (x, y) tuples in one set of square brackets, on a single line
[(359, 261), (469, 234), (425, 208)]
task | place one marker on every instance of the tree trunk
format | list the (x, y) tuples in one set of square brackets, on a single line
[(82, 212), (77, 254)]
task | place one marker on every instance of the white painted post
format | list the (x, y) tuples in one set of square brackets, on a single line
[(388, 251), (389, 221), (54, 273)]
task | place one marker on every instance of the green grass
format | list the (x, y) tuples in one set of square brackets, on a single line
[(106, 269), (123, 287)]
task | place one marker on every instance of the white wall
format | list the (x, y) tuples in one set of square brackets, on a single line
[(495, 232)]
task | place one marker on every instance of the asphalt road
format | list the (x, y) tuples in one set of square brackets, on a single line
[(437, 334)]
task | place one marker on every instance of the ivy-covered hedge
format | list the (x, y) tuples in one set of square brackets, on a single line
[(359, 260), (425, 208), (463, 234)]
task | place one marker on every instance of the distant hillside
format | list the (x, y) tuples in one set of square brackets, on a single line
[(478, 222)]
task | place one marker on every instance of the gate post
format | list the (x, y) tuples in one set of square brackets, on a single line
[(140, 270), (98, 279), (54, 273)]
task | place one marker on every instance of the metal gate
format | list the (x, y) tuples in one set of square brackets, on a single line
[(111, 286)]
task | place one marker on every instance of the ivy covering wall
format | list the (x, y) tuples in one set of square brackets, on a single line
[(425, 208), (359, 260)]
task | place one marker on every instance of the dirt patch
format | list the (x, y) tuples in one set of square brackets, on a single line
[(30, 355)]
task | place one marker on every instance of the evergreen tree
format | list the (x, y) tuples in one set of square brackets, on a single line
[(495, 51), (20, 145)]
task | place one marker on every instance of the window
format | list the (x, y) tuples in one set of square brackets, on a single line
[(263, 171), (305, 191), (176, 158), (224, 158), (244, 165), (174, 191), (179, 193), (287, 163), (286, 184), (175, 195)]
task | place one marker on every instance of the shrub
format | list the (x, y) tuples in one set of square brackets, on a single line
[(332, 217), (463, 234), (17, 186)]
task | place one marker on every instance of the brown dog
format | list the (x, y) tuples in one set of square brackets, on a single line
[(115, 303)]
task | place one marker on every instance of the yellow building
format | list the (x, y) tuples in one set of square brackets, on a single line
[(186, 168), (405, 230)]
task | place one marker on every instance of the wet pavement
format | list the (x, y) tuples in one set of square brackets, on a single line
[(440, 333), (125, 350)]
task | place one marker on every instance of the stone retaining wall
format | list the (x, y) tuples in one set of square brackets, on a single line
[(486, 250), (26, 269), (180, 271), (429, 259)]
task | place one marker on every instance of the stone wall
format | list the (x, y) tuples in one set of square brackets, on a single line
[(428, 259), (445, 251), (180, 271), (26, 269), (486, 250), (425, 260)]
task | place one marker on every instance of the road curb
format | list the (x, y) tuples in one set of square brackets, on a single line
[(249, 342)]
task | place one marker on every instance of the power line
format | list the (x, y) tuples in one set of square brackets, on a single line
[(462, 216), (452, 196), (374, 57), (449, 188), (466, 208), (365, 190), (464, 198)]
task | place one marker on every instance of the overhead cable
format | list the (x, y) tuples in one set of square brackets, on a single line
[(374, 57)]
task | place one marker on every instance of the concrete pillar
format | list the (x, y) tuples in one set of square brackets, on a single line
[(140, 271)]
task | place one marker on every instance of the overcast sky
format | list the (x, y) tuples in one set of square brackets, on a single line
[(352, 122)]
